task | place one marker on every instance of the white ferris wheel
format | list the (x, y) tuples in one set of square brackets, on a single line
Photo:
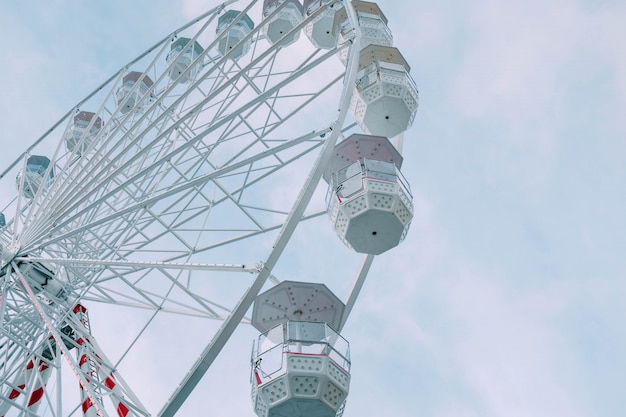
[(238, 174)]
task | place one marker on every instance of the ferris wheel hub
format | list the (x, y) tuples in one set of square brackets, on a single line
[(7, 254)]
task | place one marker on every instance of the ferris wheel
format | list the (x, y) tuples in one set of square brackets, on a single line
[(183, 201)]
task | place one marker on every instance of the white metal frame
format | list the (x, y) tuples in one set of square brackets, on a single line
[(128, 218)]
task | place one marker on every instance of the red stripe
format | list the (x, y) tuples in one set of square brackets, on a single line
[(15, 393), (37, 394), (30, 364), (110, 384), (87, 405), (79, 309), (122, 410)]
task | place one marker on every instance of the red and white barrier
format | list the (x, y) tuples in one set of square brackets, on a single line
[(96, 372), (91, 363), (37, 376)]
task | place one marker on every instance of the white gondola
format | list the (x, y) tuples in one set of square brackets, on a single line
[(369, 202), (230, 43), (322, 30), (284, 21), (34, 177), (300, 365), (82, 132), (133, 91), (386, 98), (182, 55), (373, 23)]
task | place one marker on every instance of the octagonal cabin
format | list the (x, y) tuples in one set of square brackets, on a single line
[(279, 18), (373, 24), (82, 132), (321, 30), (369, 203), (300, 364), (237, 27), (38, 174), (133, 91), (183, 52), (386, 98)]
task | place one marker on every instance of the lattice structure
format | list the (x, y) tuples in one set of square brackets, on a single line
[(193, 163)]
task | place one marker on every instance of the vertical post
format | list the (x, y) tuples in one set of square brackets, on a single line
[(359, 280)]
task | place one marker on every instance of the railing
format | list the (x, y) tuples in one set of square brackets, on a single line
[(370, 75), (345, 183), (386, 171), (296, 337), (375, 21), (350, 180)]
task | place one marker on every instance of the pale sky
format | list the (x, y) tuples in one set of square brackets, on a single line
[(506, 298)]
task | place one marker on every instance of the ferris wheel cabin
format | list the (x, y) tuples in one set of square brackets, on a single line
[(183, 53), (286, 15), (386, 98), (238, 28), (321, 31), (300, 365), (80, 135), (369, 202), (135, 86), (373, 24), (38, 174)]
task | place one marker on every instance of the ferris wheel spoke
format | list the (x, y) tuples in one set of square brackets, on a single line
[(129, 182), (193, 302), (146, 170), (99, 236), (126, 273), (199, 181), (137, 155)]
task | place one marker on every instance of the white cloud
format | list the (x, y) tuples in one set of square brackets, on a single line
[(509, 352)]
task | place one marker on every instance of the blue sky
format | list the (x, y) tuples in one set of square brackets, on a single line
[(506, 299)]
